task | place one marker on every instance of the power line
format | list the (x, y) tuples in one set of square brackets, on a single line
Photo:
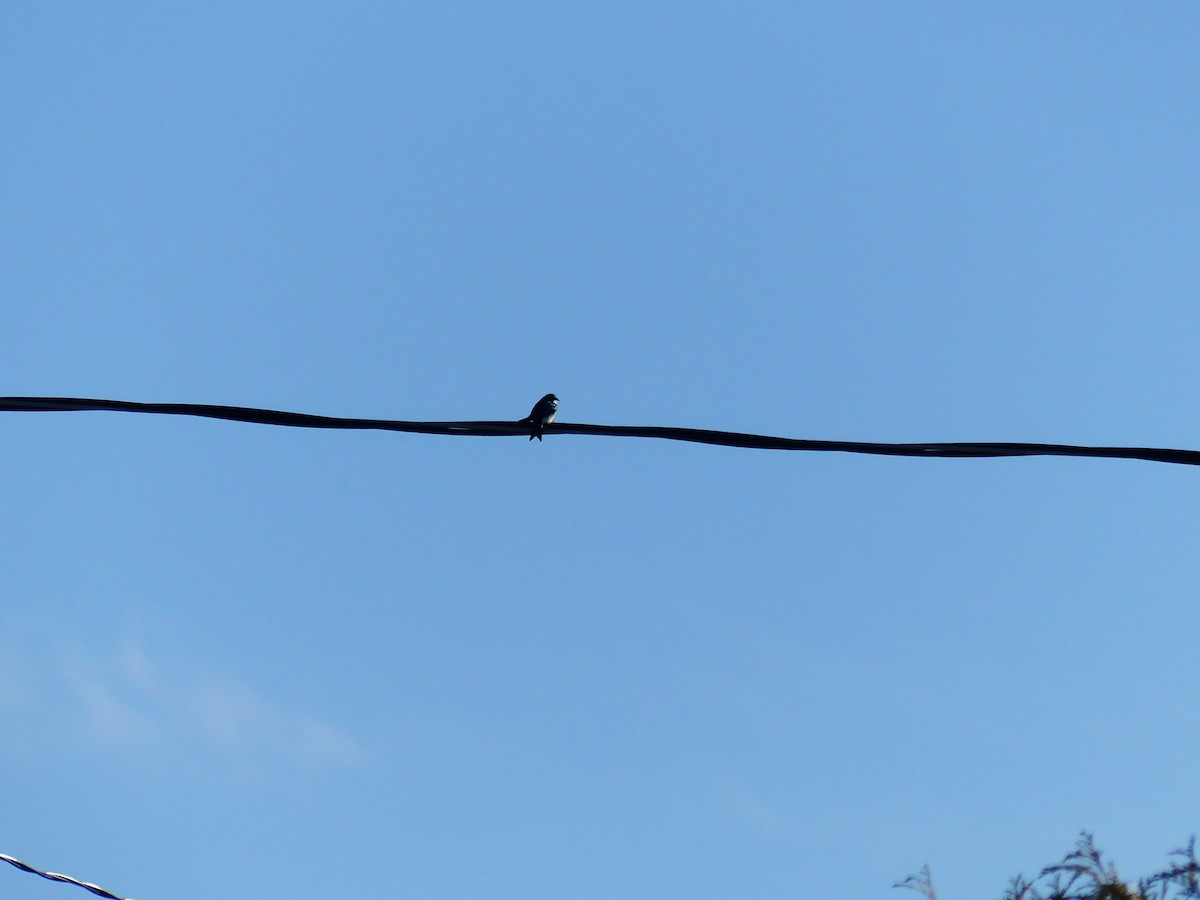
[(957, 450), (54, 876)]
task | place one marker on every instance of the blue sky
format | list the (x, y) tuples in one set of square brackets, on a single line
[(245, 661)]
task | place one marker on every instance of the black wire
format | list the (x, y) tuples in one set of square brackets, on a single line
[(54, 876), (510, 428)]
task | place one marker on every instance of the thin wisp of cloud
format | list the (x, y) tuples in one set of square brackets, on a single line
[(136, 702)]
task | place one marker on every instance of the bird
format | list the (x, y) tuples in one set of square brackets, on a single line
[(541, 415)]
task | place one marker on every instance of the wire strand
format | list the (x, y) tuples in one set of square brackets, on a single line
[(55, 876), (972, 450)]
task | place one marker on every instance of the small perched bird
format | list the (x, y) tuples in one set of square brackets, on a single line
[(541, 415)]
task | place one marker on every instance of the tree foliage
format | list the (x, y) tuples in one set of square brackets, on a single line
[(1084, 874)]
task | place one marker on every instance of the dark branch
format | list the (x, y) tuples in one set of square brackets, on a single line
[(510, 428)]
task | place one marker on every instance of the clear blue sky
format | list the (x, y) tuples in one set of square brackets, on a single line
[(238, 661)]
